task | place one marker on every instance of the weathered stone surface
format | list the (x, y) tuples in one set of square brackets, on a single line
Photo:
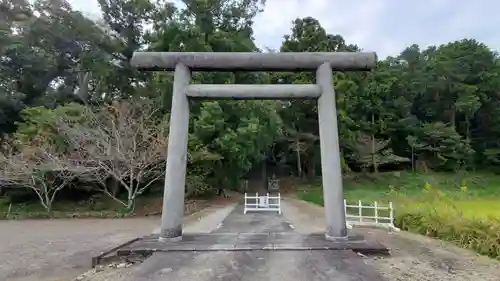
[(222, 61), (175, 171), (255, 246), (259, 231), (331, 170), (254, 241), (253, 92), (256, 265)]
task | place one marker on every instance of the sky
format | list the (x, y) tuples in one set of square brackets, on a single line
[(383, 26)]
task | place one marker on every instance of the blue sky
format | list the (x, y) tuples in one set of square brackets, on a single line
[(384, 26)]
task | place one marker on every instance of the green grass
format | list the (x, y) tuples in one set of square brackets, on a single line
[(98, 206), (470, 209), (480, 199), (460, 208)]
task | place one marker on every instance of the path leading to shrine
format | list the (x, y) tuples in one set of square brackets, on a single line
[(60, 250), (255, 264)]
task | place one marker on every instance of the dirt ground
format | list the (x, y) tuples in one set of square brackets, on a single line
[(57, 250), (51, 250), (414, 257)]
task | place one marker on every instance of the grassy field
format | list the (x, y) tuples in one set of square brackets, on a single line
[(470, 195), (460, 208), (96, 207)]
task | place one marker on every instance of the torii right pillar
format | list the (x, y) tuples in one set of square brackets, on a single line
[(331, 169)]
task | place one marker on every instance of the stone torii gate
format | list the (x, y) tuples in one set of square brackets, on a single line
[(185, 62)]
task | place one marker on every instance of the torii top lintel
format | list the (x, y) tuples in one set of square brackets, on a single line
[(239, 61)]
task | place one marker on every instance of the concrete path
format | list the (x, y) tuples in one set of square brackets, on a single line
[(207, 220), (252, 265)]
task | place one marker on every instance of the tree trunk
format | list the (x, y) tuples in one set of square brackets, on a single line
[(412, 159), (130, 202), (83, 84), (452, 119), (299, 162), (114, 186), (311, 168), (344, 166), (467, 127), (264, 176), (48, 208), (374, 161)]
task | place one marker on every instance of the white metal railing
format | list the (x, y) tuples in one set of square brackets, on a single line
[(376, 217), (262, 203)]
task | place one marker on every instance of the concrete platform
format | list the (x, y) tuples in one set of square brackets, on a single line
[(257, 246), (255, 265), (283, 241)]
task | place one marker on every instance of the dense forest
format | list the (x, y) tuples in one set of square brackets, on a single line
[(75, 114)]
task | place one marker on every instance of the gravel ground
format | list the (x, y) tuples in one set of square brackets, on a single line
[(46, 249), (57, 250), (414, 257), (247, 265), (61, 250)]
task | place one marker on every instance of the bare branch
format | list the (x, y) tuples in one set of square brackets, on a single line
[(122, 141), (40, 169)]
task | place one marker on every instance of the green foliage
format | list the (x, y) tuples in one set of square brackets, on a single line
[(40, 123), (88, 206), (368, 152), (478, 235), (240, 133), (441, 146), (449, 88), (437, 107), (459, 208), (447, 223)]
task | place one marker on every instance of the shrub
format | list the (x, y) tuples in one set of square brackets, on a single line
[(458, 216), (440, 216), (481, 235)]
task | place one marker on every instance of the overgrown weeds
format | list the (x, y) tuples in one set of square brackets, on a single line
[(480, 235), (442, 216), (451, 212)]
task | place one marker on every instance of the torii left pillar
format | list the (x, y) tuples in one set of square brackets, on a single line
[(175, 175)]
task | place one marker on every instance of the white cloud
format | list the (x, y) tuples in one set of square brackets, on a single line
[(337, 17), (88, 7), (384, 26)]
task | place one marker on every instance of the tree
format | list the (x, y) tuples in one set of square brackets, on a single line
[(368, 152), (51, 71), (42, 170), (439, 105), (439, 146), (236, 135), (124, 142), (307, 35)]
